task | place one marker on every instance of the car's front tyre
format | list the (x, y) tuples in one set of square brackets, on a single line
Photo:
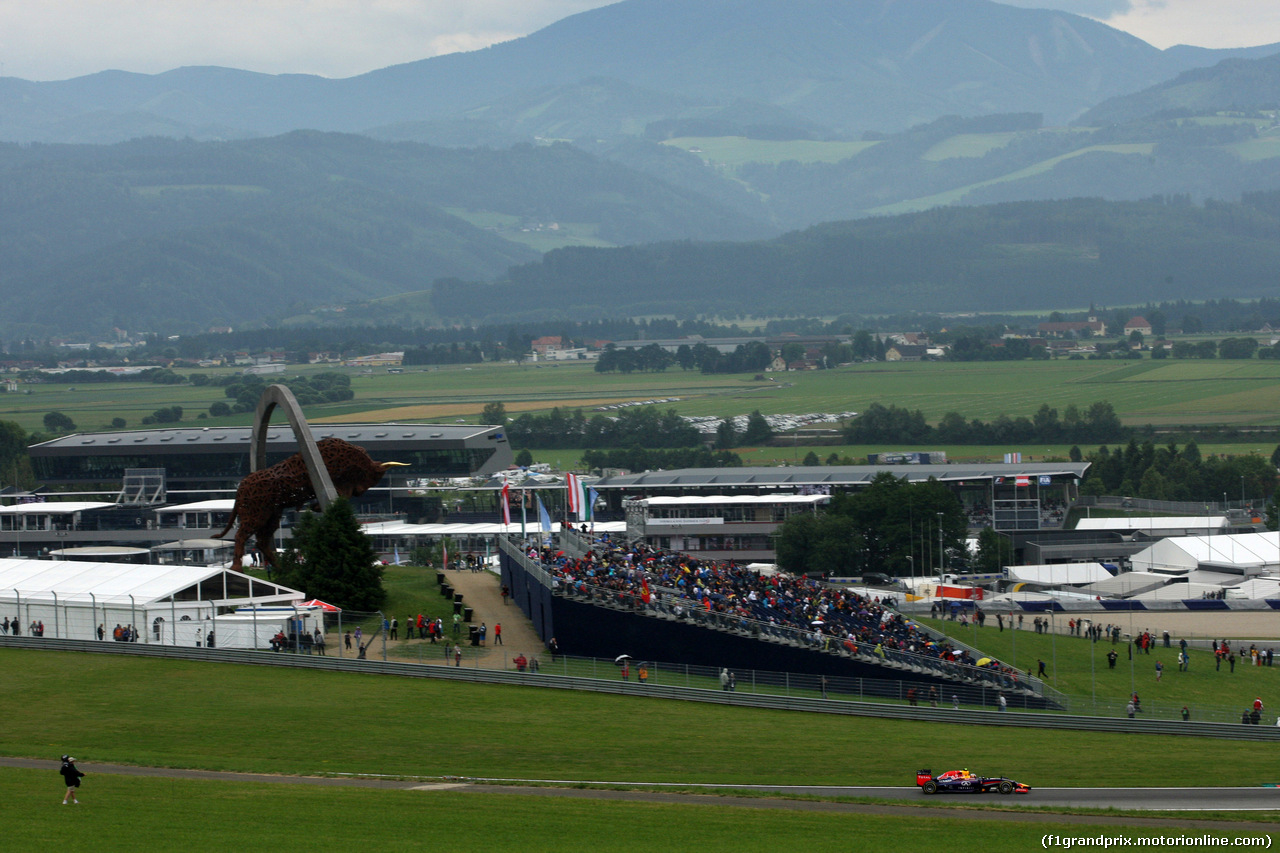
[(1006, 787)]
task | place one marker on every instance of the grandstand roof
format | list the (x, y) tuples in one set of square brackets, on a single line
[(401, 528), (53, 507), (280, 435), (1155, 524), (214, 505), (790, 477), (714, 500)]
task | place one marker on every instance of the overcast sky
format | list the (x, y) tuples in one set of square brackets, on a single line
[(57, 39)]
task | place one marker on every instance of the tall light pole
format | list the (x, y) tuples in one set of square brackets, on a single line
[(940, 559)]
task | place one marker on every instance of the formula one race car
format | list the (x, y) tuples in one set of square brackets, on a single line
[(964, 782)]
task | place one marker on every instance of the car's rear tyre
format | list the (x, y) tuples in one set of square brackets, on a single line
[(1006, 787), (931, 787)]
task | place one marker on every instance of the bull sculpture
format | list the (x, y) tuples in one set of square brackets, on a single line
[(263, 496)]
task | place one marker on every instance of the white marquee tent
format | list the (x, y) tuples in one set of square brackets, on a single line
[(1241, 553), (1059, 574), (170, 605)]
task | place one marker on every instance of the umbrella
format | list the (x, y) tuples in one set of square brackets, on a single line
[(983, 661), (817, 622), (621, 658)]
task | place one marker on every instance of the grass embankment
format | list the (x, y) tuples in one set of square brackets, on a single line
[(244, 718), (1079, 668)]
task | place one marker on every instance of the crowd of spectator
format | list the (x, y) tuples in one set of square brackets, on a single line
[(735, 597)]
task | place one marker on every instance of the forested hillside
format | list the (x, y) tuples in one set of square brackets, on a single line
[(1001, 257), (188, 235)]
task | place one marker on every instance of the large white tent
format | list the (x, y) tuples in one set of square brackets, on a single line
[(1127, 584), (1058, 574), (170, 605), (1239, 553)]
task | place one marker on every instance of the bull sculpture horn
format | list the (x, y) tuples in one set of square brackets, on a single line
[(394, 464)]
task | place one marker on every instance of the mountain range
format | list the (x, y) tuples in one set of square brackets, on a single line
[(827, 67), (626, 142)]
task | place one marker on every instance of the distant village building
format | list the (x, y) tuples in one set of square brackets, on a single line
[(547, 343), (905, 352), (382, 359), (1092, 326), (1139, 325)]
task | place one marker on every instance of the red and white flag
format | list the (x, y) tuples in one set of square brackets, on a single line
[(577, 503), (506, 503), (1022, 481)]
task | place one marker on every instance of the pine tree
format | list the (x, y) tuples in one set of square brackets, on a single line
[(331, 558)]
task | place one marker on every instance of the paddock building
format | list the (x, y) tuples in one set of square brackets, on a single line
[(1008, 497), (168, 487)]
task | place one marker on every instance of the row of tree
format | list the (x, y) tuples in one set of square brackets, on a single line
[(645, 459), (1141, 469), (889, 527), (880, 424), (640, 426), (327, 387), (751, 357)]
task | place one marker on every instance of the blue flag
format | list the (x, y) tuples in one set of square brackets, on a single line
[(543, 516)]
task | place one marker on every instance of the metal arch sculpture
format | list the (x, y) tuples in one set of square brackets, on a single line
[(318, 473), (280, 395)]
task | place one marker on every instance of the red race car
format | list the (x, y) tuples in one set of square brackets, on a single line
[(964, 782)]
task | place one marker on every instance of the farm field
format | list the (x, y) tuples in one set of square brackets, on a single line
[(954, 195), (734, 151), (1161, 393)]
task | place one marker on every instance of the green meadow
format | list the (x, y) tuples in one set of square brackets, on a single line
[(269, 720), (122, 812), (1079, 668), (734, 151)]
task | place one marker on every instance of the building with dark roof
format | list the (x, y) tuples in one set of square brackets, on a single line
[(146, 471), (216, 458), (1008, 497)]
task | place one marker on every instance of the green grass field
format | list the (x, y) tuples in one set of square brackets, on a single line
[(1079, 668), (734, 151), (954, 195), (120, 812), (229, 717)]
